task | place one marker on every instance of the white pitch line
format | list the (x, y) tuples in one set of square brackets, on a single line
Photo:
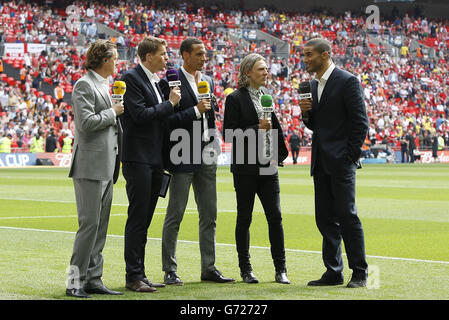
[(231, 245), (114, 204)]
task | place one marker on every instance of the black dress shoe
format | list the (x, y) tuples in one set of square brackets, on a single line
[(281, 277), (153, 284), (215, 276), (249, 277), (77, 293), (326, 281), (171, 278), (357, 282), (103, 290)]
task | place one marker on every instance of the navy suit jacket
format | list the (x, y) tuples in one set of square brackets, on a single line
[(339, 122), (144, 119), (184, 117)]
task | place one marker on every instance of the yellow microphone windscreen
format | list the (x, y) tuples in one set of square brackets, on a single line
[(203, 87), (119, 87)]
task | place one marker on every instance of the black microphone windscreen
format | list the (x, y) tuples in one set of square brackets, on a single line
[(304, 87)]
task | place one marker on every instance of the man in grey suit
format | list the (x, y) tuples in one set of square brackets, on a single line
[(192, 113), (94, 169)]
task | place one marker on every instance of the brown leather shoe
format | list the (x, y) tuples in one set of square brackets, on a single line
[(139, 286)]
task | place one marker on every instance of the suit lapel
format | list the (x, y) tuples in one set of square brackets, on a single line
[(327, 88), (147, 82), (314, 85), (251, 108), (100, 89), (186, 83)]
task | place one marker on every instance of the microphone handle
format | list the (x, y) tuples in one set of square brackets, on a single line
[(305, 117), (267, 115)]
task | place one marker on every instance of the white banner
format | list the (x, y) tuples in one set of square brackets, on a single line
[(14, 49), (36, 48)]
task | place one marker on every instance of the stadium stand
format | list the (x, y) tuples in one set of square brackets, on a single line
[(402, 63)]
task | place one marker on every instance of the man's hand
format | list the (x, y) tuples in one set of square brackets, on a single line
[(118, 107), (175, 96), (305, 105), (203, 105), (265, 124)]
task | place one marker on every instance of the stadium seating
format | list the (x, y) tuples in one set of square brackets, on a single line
[(395, 100)]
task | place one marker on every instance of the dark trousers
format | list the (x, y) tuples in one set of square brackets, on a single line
[(336, 218), (143, 184), (295, 154), (267, 189), (404, 156)]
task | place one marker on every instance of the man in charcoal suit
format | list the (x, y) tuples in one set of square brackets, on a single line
[(143, 129)]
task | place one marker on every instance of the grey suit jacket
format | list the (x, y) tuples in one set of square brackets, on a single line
[(96, 145)]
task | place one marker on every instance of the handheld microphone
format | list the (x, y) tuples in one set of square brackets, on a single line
[(172, 76), (118, 89), (267, 103), (203, 90), (305, 92), (203, 93)]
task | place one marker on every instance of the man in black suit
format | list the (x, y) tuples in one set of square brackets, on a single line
[(244, 125), (197, 118), (295, 145), (143, 129), (337, 116)]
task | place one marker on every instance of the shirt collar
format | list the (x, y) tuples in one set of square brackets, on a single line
[(151, 76), (189, 77), (327, 73), (253, 90), (102, 80)]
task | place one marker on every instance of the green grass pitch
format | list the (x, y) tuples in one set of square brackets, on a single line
[(404, 210)]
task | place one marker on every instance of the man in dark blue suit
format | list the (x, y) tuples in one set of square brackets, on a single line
[(337, 116), (143, 129), (193, 164)]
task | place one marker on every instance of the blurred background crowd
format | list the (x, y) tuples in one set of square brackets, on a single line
[(402, 63)]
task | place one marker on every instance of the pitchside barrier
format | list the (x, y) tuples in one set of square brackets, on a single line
[(224, 159)]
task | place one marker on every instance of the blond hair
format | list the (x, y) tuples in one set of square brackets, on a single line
[(247, 65)]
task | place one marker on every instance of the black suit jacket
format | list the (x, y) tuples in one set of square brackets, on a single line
[(240, 113), (143, 121), (184, 117), (339, 122)]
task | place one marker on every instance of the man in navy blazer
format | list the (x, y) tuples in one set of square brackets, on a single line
[(193, 164), (143, 130), (337, 116)]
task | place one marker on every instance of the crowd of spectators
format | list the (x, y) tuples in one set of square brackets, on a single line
[(404, 93)]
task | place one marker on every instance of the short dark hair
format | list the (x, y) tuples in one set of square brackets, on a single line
[(320, 45), (149, 45), (186, 44), (98, 52)]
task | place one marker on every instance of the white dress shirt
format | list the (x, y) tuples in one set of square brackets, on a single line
[(153, 80), (322, 81), (191, 79), (105, 84)]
